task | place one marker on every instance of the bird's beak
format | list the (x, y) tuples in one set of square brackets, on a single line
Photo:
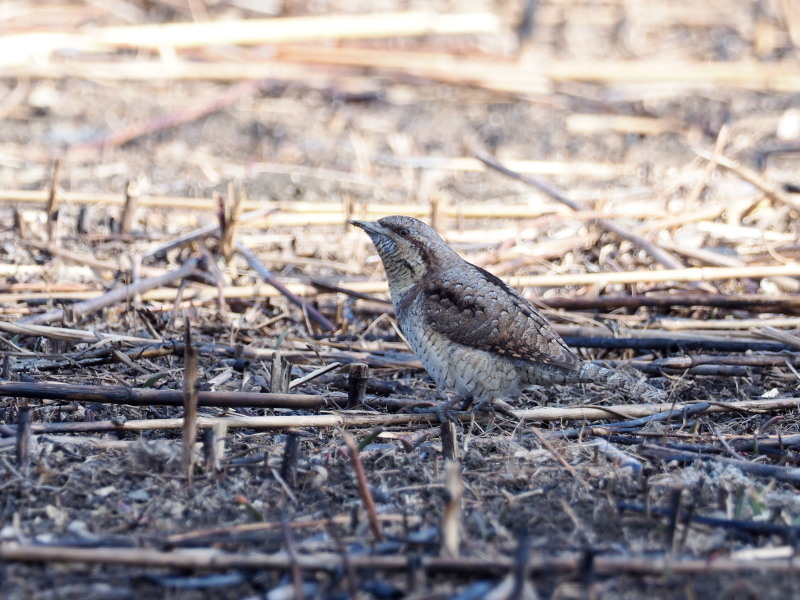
[(371, 227)]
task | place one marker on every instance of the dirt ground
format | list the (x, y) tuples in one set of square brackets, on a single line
[(354, 141)]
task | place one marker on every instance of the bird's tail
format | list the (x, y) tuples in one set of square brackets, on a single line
[(636, 389)]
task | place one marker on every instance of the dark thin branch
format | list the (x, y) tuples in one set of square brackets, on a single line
[(787, 532), (363, 486), (752, 302), (788, 474), (674, 344), (667, 415), (267, 276), (148, 397), (129, 133), (658, 254)]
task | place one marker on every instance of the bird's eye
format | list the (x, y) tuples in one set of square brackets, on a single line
[(404, 232)]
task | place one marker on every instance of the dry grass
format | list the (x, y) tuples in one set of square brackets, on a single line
[(205, 187)]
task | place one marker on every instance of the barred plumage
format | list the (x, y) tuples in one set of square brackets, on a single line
[(472, 332)]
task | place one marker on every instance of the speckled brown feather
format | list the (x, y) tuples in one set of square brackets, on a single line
[(472, 307)]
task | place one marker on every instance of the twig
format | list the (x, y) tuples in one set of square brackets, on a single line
[(119, 294), (775, 334), (728, 448), (522, 77), (788, 474), (69, 334), (323, 213), (259, 31), (449, 439), (667, 415), (622, 459), (363, 486), (642, 276), (698, 370), (52, 203), (357, 379), (204, 536), (205, 231), (764, 324), (751, 302), (211, 458), (129, 208), (291, 452), (673, 511), (787, 532), (451, 516), (87, 260), (267, 276), (654, 251), (132, 132), (749, 176), (711, 166), (750, 360), (205, 294), (23, 441), (280, 374), (542, 439), (190, 389), (670, 343), (314, 374), (229, 215)]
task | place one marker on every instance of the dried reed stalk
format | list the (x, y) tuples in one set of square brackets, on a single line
[(119, 294), (750, 176), (308, 213), (523, 77), (347, 420), (451, 515), (68, 334), (18, 48), (197, 293), (675, 324), (215, 559)]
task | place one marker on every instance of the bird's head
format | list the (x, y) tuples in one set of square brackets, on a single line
[(408, 248)]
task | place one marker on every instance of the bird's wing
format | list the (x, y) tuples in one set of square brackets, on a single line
[(474, 308)]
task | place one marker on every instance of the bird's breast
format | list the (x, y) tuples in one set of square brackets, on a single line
[(467, 371)]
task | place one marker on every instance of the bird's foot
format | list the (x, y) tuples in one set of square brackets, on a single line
[(442, 409), (494, 406), (485, 405)]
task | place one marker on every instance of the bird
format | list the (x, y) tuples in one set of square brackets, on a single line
[(475, 335)]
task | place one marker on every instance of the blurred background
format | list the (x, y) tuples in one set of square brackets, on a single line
[(372, 102)]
